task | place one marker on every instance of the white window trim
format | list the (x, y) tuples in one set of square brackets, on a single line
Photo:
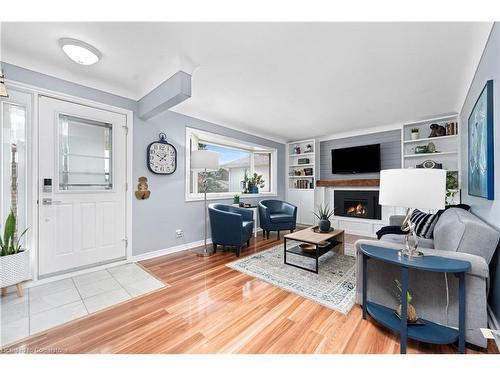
[(229, 142)]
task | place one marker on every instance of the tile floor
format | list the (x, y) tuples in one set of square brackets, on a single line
[(58, 302)]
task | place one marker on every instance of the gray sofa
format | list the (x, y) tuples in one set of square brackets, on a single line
[(458, 234)]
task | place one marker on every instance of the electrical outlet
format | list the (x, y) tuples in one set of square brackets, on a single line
[(179, 233)]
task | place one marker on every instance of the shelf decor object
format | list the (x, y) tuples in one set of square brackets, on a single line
[(429, 331), (204, 161), (480, 145), (418, 187)]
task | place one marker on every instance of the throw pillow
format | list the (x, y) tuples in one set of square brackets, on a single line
[(424, 223)]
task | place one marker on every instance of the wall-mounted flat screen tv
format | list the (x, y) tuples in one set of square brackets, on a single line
[(361, 159)]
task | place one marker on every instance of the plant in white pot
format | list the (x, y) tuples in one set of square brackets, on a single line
[(414, 133), (14, 260)]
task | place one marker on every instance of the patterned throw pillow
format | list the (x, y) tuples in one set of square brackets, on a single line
[(424, 223)]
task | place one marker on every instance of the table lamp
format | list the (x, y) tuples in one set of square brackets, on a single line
[(204, 161), (412, 188)]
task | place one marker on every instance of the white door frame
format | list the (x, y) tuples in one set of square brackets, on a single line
[(36, 92)]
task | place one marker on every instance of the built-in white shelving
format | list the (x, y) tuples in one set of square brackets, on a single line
[(431, 154), (430, 139), (300, 186), (448, 145)]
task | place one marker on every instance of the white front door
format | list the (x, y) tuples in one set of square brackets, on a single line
[(82, 186)]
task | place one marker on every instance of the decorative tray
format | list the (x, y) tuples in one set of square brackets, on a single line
[(315, 229)]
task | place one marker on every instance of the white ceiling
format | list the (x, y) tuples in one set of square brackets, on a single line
[(286, 80)]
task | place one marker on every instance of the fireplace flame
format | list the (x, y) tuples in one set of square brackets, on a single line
[(358, 210)]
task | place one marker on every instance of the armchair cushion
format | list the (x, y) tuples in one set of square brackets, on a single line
[(281, 217)]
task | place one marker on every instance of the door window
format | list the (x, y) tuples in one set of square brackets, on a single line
[(85, 154)]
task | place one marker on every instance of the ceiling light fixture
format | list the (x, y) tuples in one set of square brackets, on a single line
[(80, 52), (3, 89)]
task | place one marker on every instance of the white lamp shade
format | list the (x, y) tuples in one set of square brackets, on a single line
[(203, 159), (413, 188)]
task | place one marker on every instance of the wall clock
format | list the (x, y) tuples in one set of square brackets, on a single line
[(161, 156)]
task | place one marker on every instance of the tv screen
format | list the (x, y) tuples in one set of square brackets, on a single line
[(361, 159)]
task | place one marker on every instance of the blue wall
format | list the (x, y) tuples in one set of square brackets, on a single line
[(156, 219), (489, 211)]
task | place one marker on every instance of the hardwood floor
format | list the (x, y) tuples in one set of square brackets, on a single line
[(210, 308)]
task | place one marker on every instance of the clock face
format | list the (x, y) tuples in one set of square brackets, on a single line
[(162, 158)]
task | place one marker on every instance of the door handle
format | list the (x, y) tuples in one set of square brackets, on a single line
[(49, 202)]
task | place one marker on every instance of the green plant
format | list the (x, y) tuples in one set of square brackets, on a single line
[(236, 196), (452, 180), (257, 180), (414, 130), (399, 291), (9, 245), (451, 186), (324, 213)]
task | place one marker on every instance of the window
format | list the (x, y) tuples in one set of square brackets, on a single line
[(84, 154), (238, 164), (13, 161)]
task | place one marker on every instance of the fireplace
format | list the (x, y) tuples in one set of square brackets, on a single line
[(357, 203)]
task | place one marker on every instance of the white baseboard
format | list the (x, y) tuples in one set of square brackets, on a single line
[(169, 250)]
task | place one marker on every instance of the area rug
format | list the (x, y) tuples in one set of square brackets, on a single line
[(334, 286)]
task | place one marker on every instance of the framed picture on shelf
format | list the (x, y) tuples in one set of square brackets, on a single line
[(480, 179)]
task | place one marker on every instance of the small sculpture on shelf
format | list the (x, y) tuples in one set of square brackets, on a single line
[(308, 148), (296, 149), (437, 130)]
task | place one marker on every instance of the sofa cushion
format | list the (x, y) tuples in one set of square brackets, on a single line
[(460, 230), (424, 223), (280, 217)]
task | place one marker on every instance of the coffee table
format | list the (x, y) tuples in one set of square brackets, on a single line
[(324, 242)]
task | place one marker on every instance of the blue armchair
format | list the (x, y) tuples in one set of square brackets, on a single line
[(230, 225), (275, 215)]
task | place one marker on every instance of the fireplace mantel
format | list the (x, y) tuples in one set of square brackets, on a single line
[(360, 182)]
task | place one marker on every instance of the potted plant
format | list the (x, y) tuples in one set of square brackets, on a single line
[(410, 311), (244, 183), (236, 199), (14, 260), (451, 186), (324, 214), (414, 133), (255, 182)]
